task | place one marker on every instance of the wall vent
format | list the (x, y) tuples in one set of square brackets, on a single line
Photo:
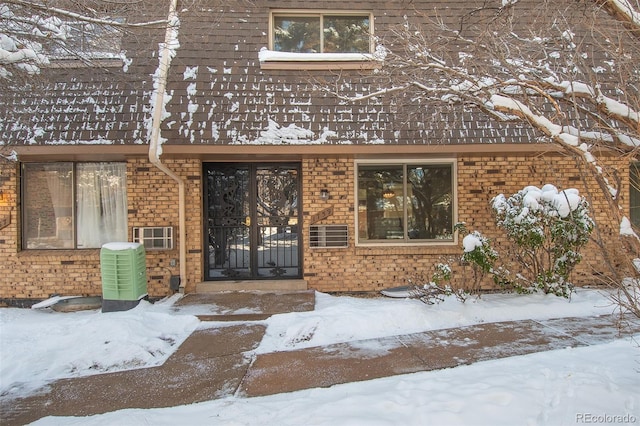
[(154, 237), (328, 236)]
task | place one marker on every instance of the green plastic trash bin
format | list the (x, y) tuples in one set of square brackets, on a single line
[(124, 276)]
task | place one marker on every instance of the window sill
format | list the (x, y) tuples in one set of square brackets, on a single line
[(400, 243), (448, 248), (89, 252), (272, 60)]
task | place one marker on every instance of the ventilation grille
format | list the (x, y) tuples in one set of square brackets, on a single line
[(154, 237), (328, 236)]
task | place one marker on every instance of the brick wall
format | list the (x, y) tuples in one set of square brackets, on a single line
[(482, 178), (353, 268), (479, 179), (153, 201)]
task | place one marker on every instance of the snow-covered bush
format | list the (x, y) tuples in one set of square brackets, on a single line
[(477, 253), (548, 228), (434, 290)]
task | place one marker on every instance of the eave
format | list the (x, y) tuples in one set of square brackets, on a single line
[(267, 152)]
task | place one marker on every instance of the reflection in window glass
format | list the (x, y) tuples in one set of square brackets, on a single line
[(346, 34), (380, 203), (322, 33), (399, 203), (48, 205), (297, 34), (429, 208)]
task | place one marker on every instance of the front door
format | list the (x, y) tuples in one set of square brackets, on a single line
[(251, 220)]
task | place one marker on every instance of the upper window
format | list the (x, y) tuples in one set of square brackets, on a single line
[(405, 203), (88, 41), (73, 205), (321, 33), (319, 40)]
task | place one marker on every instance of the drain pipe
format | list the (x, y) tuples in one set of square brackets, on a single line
[(155, 147)]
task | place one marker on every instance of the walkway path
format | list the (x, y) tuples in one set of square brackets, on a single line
[(220, 362)]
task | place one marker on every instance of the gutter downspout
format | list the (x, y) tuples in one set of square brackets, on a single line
[(155, 149)]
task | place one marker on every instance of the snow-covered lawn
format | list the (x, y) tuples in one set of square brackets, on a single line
[(571, 386)]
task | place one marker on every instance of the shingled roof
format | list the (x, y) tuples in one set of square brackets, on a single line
[(220, 95)]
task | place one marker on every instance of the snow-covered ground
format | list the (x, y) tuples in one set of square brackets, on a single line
[(597, 384)]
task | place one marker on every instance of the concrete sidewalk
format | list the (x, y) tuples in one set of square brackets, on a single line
[(220, 362)]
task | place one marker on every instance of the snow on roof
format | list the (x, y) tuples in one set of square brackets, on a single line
[(219, 95)]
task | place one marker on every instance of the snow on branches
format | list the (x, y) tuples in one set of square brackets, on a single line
[(32, 34), (19, 45), (568, 71)]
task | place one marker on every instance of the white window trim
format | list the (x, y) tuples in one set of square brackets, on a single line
[(273, 55), (408, 161)]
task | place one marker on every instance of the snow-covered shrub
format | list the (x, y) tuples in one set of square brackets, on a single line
[(441, 274), (437, 288), (476, 252), (548, 228)]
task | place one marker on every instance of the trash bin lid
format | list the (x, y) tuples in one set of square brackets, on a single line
[(121, 246)]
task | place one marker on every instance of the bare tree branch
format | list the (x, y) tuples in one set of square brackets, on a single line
[(568, 71), (50, 10)]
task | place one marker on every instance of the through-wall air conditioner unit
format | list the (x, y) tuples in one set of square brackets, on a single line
[(154, 237), (328, 236)]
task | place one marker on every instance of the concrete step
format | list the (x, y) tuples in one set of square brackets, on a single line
[(251, 285), (245, 305)]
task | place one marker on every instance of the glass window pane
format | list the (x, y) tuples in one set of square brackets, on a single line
[(296, 34), (101, 204), (346, 34), (48, 206), (380, 203), (430, 207)]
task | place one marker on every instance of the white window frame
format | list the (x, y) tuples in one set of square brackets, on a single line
[(272, 59), (401, 162)]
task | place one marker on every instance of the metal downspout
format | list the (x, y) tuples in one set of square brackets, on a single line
[(154, 141)]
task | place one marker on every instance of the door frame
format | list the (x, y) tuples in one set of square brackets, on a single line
[(252, 197)]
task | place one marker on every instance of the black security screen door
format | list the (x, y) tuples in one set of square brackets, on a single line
[(251, 220)]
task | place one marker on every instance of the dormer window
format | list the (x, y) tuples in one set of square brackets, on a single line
[(319, 39)]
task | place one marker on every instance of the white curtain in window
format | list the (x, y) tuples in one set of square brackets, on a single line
[(101, 204)]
